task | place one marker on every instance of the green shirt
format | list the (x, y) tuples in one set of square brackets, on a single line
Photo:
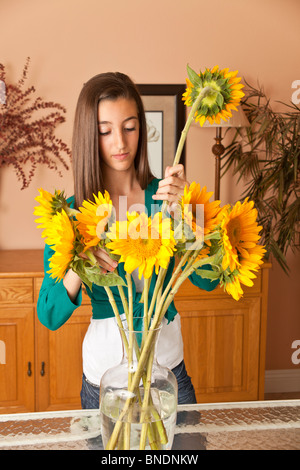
[(54, 306)]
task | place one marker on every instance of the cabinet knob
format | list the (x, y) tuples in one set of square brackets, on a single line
[(42, 369), (29, 371)]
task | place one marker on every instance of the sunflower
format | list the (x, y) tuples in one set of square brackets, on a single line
[(199, 213), (49, 205), (93, 218), (240, 233), (241, 252), (61, 238), (234, 288), (244, 274), (224, 96), (142, 242)]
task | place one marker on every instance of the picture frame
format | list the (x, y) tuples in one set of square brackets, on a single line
[(165, 116)]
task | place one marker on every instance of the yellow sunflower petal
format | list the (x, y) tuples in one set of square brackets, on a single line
[(197, 211), (93, 218), (136, 249), (240, 233), (61, 237)]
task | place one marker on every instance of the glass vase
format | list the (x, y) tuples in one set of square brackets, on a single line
[(138, 397)]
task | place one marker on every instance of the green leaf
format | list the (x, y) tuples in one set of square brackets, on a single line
[(204, 108), (226, 94), (220, 100), (213, 236), (208, 76), (194, 77), (109, 279), (200, 83), (215, 109), (221, 81), (206, 274), (93, 274)]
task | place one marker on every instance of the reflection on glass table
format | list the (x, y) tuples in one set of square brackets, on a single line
[(266, 425)]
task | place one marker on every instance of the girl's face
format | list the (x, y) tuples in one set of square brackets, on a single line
[(118, 132)]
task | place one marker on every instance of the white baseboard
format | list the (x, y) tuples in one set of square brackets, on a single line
[(286, 380)]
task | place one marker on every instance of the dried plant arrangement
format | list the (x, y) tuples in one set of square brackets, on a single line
[(267, 156), (27, 138)]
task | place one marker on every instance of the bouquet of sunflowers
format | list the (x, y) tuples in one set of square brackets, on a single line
[(201, 233)]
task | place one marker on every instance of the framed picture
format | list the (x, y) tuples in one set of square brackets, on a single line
[(165, 116)]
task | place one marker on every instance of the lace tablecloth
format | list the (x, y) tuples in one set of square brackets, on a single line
[(268, 425)]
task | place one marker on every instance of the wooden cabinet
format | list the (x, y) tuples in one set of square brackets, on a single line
[(41, 370), (17, 362), (225, 341), (59, 358)]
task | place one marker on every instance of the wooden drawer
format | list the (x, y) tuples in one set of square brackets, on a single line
[(16, 290)]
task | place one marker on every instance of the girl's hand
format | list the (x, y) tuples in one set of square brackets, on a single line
[(171, 188), (72, 281), (104, 260)]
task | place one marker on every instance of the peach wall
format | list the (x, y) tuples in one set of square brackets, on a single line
[(152, 41)]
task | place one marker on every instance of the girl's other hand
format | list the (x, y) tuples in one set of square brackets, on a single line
[(171, 188)]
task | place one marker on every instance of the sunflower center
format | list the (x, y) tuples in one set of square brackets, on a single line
[(147, 247), (234, 231), (212, 84)]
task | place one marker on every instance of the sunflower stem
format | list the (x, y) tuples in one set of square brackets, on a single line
[(130, 326), (130, 356), (145, 405), (91, 257), (159, 282), (124, 301), (191, 266), (161, 286), (186, 256), (145, 301), (204, 92), (157, 426), (117, 315), (134, 384), (147, 283)]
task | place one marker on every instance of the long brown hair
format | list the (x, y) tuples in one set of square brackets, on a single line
[(88, 178)]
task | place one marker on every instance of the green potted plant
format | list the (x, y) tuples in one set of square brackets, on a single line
[(266, 156)]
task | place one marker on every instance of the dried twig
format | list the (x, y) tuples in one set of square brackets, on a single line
[(27, 138)]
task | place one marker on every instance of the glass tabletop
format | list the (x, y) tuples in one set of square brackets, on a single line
[(265, 425)]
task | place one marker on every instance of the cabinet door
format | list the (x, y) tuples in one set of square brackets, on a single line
[(221, 347), (59, 362), (17, 383)]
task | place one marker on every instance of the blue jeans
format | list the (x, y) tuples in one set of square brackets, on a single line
[(186, 394)]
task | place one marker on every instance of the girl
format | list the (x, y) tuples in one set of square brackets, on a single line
[(109, 151)]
